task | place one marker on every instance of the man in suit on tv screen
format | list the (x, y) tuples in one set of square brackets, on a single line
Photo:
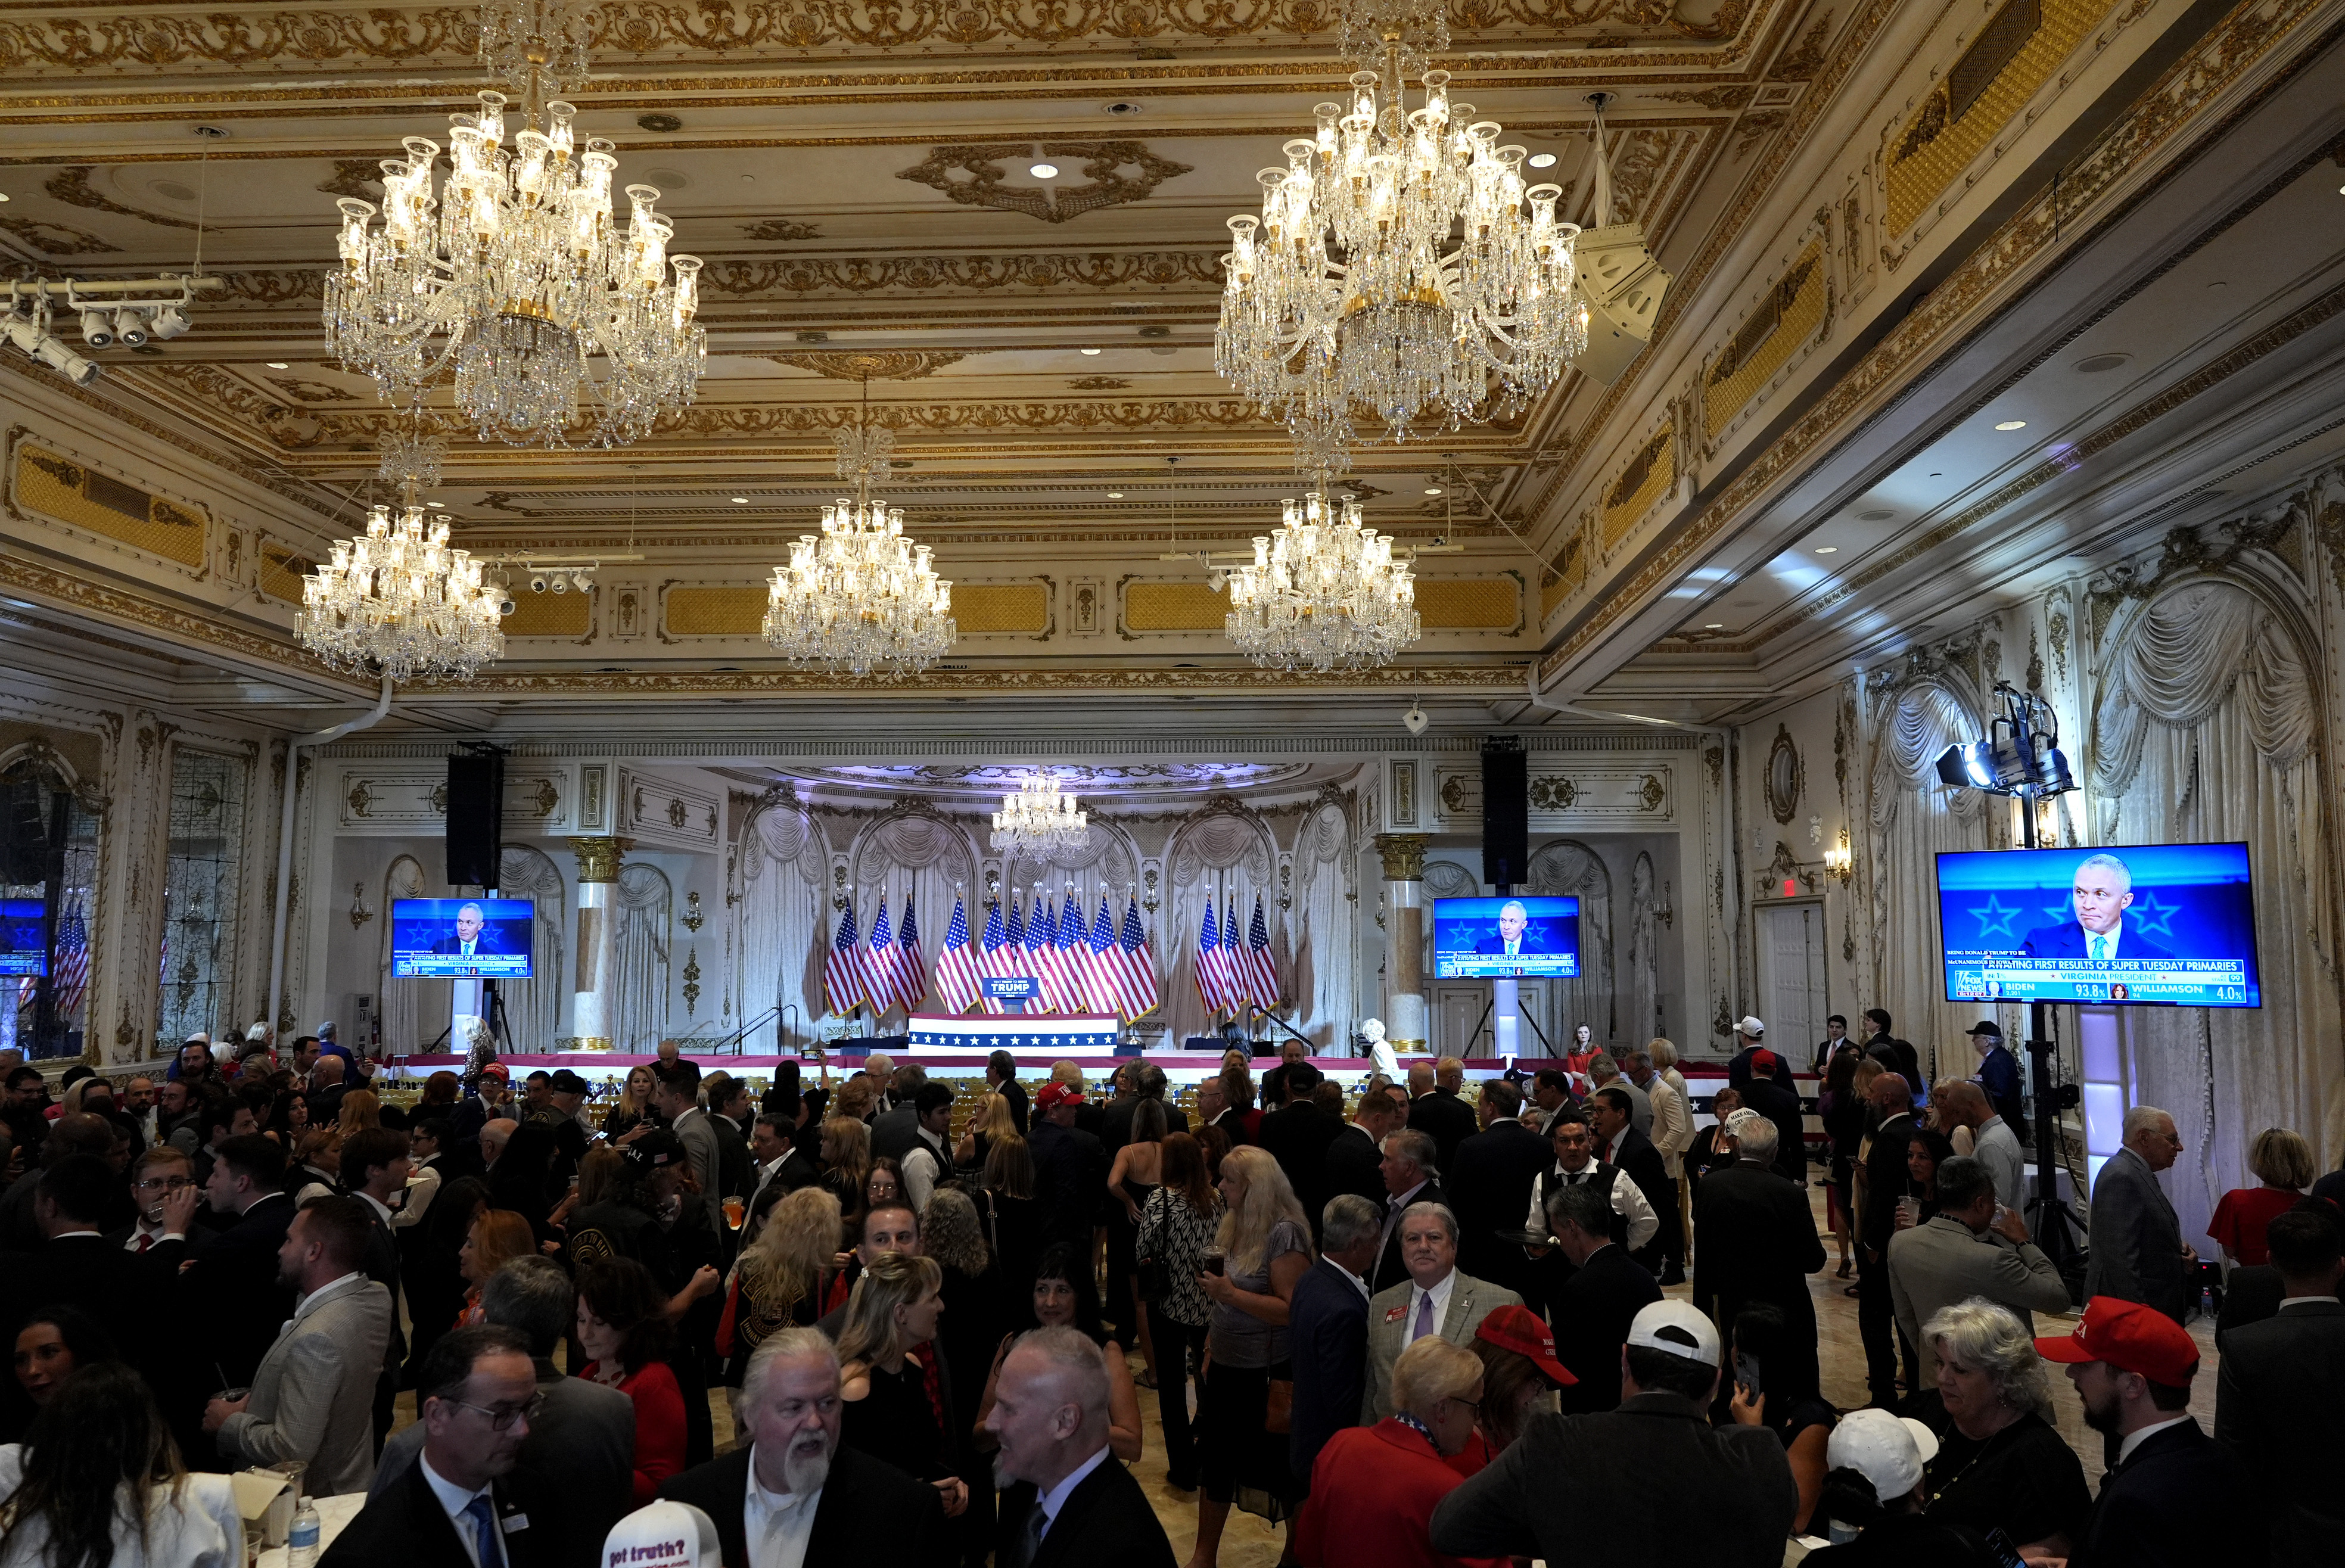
[(473, 936), (1516, 933), (2101, 893)]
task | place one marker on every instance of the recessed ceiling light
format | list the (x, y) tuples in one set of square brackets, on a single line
[(2011, 425), (279, 365), (1827, 550), (4, 196), (740, 500), (1044, 171), (437, 505), (1713, 625), (1095, 350), (2096, 364), (1433, 490), (1541, 160), (1115, 495), (1878, 514)]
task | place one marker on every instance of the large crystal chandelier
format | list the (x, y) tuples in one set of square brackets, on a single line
[(516, 274), (1400, 262), (1323, 594), (1039, 822), (859, 597)]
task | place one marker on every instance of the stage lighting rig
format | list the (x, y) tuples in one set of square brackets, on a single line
[(2021, 755), (126, 311)]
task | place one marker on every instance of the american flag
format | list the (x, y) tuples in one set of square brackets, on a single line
[(1210, 990), (911, 966), (1099, 965), (1041, 951), (1261, 968), (958, 974), (842, 967), (1071, 959), (1234, 976), (879, 965), (1135, 966), (72, 973), (988, 957)]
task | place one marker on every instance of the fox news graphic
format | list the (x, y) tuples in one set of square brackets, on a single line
[(23, 947), (460, 938), (2170, 924), (1530, 937)]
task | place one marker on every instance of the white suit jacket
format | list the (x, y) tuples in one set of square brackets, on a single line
[(313, 1397)]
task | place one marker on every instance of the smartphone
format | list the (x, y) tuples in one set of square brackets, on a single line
[(2006, 1554), (1746, 1374)]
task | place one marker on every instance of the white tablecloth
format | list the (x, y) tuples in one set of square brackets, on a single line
[(333, 1512)]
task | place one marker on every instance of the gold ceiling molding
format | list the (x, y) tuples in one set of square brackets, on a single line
[(216, 387), (2205, 72), (872, 365), (355, 176), (1099, 383), (782, 229), (1802, 60), (500, 683), (72, 591), (970, 274), (55, 239), (1104, 162), (70, 185)]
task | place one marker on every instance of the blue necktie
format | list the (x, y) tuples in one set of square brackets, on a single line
[(2100, 946), (483, 1515)]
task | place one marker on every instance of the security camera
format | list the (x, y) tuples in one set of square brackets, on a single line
[(170, 322), (537, 584), (130, 327), (1416, 719)]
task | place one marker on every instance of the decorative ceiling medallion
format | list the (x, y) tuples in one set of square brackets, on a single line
[(972, 174), (56, 238), (871, 365), (782, 229), (1099, 383), (355, 176), (71, 185)]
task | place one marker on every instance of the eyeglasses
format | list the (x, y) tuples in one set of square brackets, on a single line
[(1474, 1405), (163, 1183), (503, 1420)]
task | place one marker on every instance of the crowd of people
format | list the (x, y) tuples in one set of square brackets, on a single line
[(1429, 1326)]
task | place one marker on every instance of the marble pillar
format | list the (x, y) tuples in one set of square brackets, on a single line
[(594, 973), (1403, 857)]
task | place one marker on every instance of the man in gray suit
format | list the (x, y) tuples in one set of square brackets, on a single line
[(581, 1442), (2137, 1250), (1974, 1246), (676, 1089), (2282, 1382), (1436, 1298), (313, 1397)]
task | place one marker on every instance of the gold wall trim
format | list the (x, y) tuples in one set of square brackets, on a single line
[(713, 611), (1642, 480), (72, 493), (1780, 324), (1174, 607), (1020, 607), (570, 615), (500, 683), (282, 571), (1470, 603)]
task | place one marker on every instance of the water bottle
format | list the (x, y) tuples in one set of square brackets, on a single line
[(302, 1541)]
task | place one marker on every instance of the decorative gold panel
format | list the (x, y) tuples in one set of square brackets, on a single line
[(1783, 322), (551, 614), (1993, 79), (83, 498), (1648, 475), (715, 612), (1469, 603), (282, 570), (1001, 606), (1175, 607)]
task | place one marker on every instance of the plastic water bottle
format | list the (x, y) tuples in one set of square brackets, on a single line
[(302, 1540)]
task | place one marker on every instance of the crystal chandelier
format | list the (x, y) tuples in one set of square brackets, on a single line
[(1039, 822), (399, 599), (859, 597), (1323, 594), (1398, 262), (516, 275)]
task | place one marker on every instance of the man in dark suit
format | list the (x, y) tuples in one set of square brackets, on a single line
[(1618, 1144), (1436, 1109), (232, 1282), (1598, 1300), (1885, 1181), (1148, 1083), (473, 935), (1781, 1106), (477, 1393), (1327, 1329), (1897, 1054), (1409, 1177), (894, 1132), (1355, 1154), (2282, 1382), (77, 1266), (1755, 1240), (1516, 933), (773, 1145), (2138, 1251), (1069, 1169), (2173, 1495), (831, 1503), (2099, 895), (1001, 1076), (1490, 1185), (1072, 1505), (1297, 1135)]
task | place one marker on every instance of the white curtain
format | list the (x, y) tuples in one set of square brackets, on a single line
[(646, 909), (1643, 1018), (784, 928), (1228, 856), (1324, 940), (413, 1011), (2205, 731), (916, 860), (533, 1006), (1570, 869), (1913, 818)]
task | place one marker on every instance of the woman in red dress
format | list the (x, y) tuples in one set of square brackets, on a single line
[(623, 1325), (2282, 1161)]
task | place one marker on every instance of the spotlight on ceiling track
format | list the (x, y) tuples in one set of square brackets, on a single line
[(2020, 756)]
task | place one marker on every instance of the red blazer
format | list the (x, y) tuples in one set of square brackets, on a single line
[(659, 1425), (1372, 1491)]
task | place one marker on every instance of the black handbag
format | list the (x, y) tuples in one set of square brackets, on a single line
[(1148, 1273)]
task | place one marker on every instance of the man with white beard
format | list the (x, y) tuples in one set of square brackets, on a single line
[(794, 1496)]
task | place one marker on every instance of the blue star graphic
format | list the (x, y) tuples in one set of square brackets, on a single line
[(1998, 927), (2152, 918), (2064, 910)]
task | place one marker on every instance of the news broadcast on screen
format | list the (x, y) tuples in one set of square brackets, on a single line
[(2168, 924), (461, 939), (24, 942), (1490, 936)]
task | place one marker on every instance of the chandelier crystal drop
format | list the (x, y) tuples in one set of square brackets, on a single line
[(1039, 822), (516, 275), (859, 597), (400, 598), (551, 39), (1323, 594), (1399, 263)]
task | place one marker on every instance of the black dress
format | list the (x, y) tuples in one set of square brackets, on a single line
[(896, 1423), (2025, 1481)]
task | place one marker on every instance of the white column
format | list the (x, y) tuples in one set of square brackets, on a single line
[(1403, 857), (593, 980), (2101, 1057), (1506, 1015)]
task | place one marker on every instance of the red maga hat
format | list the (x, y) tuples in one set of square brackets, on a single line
[(2129, 1336), (1518, 1329)]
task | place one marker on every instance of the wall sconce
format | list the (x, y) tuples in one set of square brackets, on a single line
[(1667, 914), (693, 918), (359, 912), (1840, 860)]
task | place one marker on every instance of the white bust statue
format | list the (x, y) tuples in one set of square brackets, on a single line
[(1372, 1031)]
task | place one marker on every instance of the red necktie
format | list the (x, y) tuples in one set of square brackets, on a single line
[(144, 1242)]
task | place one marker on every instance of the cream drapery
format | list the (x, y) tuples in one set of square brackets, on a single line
[(2205, 731), (782, 929), (1225, 855), (1323, 937), (533, 1006), (1107, 864), (915, 861), (1569, 868), (1641, 1016), (640, 955)]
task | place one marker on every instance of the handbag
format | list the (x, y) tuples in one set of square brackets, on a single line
[(1278, 1406), (1147, 1272)]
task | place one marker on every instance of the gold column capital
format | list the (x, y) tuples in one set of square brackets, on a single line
[(1402, 854), (598, 857)]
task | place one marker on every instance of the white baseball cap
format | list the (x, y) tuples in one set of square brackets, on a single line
[(1751, 1026), (665, 1535), (1888, 1450), (1678, 1326)]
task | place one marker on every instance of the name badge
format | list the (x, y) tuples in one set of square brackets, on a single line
[(515, 1523)]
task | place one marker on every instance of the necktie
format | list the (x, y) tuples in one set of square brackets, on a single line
[(1424, 1316), (482, 1513), (467, 949), (2100, 945), (1030, 1544), (144, 1242)]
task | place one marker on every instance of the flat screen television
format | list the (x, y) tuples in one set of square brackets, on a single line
[(2169, 925), (1471, 937), (23, 949), (461, 939)]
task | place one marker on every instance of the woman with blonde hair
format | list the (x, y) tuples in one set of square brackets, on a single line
[(991, 1123), (895, 1310), (316, 1163), (632, 1107), (779, 1281), (2002, 1464), (1262, 1249), (2282, 1161), (360, 1108)]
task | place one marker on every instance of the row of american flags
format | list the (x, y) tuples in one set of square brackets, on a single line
[(1104, 969)]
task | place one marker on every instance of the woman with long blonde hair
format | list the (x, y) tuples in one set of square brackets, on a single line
[(991, 1123), (779, 1281), (896, 1305), (632, 1108), (360, 1108)]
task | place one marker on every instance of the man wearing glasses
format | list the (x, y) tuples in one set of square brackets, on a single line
[(163, 1185), (462, 1506)]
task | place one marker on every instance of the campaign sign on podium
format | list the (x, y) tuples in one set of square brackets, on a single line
[(1015, 989)]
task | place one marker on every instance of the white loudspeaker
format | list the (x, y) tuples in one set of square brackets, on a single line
[(1623, 286)]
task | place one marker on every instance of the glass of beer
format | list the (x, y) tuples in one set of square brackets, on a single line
[(732, 1213), (1213, 1262)]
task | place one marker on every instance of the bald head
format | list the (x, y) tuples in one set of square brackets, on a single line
[(1892, 1095), (1420, 1078), (1050, 1412), (1960, 1103)]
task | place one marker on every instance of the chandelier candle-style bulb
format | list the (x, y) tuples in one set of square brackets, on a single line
[(859, 597), (1323, 594), (400, 599), (1040, 821)]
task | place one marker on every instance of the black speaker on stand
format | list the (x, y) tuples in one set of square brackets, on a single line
[(476, 816), (1506, 813)]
